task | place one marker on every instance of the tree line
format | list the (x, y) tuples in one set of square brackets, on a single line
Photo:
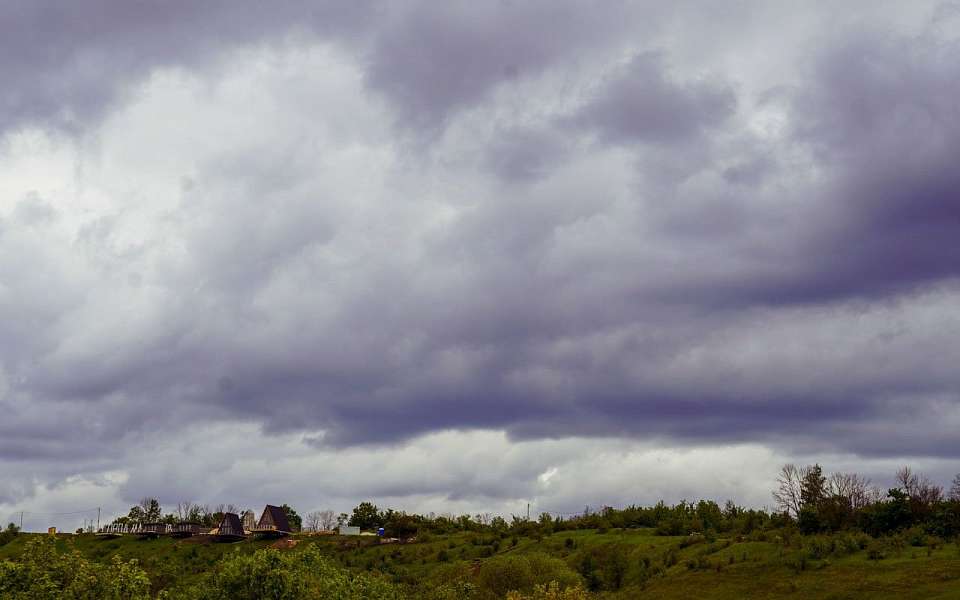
[(820, 503), (149, 510), (805, 498)]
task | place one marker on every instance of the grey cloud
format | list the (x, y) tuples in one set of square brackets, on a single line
[(66, 65), (435, 59), (642, 102), (34, 210), (526, 154), (878, 119)]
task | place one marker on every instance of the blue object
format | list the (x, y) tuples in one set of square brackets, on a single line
[(380, 532)]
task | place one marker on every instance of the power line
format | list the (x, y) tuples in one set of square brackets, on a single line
[(57, 514), (20, 514)]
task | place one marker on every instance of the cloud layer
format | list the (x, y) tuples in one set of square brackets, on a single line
[(402, 228)]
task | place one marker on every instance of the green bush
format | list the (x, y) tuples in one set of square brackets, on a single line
[(504, 574), (7, 535), (43, 573), (876, 550), (604, 567), (273, 575), (553, 591)]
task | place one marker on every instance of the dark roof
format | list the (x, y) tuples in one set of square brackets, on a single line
[(273, 518), (230, 525)]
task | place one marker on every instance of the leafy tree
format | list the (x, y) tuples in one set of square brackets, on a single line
[(148, 510), (152, 512), (296, 523), (885, 517), (400, 524), (813, 487), (366, 515)]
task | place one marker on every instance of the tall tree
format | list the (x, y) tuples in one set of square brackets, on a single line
[(311, 522), (366, 515), (328, 520), (151, 511), (851, 487), (787, 494), (186, 510), (918, 486), (955, 488), (813, 486)]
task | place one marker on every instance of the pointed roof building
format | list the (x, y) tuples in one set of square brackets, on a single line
[(230, 526), (273, 519)]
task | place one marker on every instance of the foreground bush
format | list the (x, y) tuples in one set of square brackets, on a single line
[(552, 591), (43, 573), (503, 574), (274, 575)]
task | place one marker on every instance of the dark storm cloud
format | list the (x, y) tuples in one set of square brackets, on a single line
[(875, 119), (880, 117)]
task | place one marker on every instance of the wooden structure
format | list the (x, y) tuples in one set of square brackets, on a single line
[(273, 522), (249, 520), (152, 529), (230, 530), (185, 529)]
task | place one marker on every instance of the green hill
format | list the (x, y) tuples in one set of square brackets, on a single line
[(631, 563)]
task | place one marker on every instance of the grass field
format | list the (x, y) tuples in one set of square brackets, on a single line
[(650, 566)]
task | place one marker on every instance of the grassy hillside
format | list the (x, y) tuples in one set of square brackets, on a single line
[(615, 564)]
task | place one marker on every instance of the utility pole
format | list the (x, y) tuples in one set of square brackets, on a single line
[(528, 511), (98, 518), (21, 520)]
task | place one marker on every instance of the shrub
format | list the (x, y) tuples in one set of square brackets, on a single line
[(43, 573), (876, 550), (552, 591), (270, 574), (604, 567), (915, 536), (504, 574), (7, 535)]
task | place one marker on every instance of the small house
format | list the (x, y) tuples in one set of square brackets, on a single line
[(230, 528), (273, 521)]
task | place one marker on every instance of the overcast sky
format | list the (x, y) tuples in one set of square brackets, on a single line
[(461, 256)]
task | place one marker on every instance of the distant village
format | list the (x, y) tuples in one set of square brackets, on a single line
[(273, 522)]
